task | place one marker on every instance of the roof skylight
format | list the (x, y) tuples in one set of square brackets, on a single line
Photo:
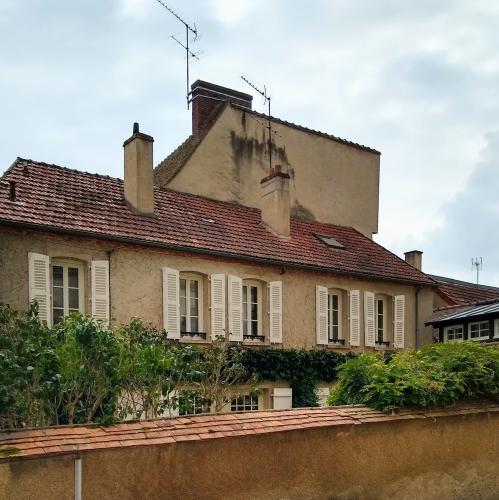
[(329, 241)]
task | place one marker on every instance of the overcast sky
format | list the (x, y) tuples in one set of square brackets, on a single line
[(417, 80)]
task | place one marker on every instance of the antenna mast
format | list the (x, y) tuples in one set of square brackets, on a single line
[(266, 100), (188, 52), (477, 263)]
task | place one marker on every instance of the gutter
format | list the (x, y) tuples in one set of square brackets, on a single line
[(217, 253)]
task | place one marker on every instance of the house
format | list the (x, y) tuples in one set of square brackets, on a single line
[(200, 267)]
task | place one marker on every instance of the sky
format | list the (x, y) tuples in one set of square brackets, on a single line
[(417, 80)]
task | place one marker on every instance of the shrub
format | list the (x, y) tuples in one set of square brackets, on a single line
[(438, 374)]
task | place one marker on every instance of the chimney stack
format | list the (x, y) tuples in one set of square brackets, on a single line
[(206, 97), (275, 202), (415, 259), (139, 189)]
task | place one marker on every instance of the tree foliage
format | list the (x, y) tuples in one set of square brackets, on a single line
[(438, 374)]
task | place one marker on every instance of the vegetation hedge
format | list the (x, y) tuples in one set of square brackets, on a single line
[(439, 374)]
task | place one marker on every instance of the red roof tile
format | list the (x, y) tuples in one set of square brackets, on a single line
[(62, 200), (64, 440), (457, 292)]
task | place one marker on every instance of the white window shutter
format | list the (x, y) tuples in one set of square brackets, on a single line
[(321, 314), (100, 290), (171, 302), (369, 320), (282, 399), (217, 305), (275, 303), (235, 302), (354, 317), (39, 285), (398, 321)]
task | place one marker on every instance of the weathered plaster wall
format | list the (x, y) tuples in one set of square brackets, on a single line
[(448, 457), (136, 283), (330, 181)]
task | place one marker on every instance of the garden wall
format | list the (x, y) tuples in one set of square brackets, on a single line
[(338, 452)]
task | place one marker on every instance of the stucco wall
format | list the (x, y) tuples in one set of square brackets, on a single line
[(136, 284), (442, 458), (330, 181)]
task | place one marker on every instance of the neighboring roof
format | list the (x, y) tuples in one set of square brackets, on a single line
[(63, 440), (453, 313), (57, 199), (457, 292)]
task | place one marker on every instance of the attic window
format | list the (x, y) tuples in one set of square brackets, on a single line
[(329, 241)]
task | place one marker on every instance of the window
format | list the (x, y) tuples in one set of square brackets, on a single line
[(191, 304), (252, 309), (67, 289), (334, 317), (244, 403), (191, 403), (478, 330), (329, 241), (452, 333), (496, 328), (380, 321)]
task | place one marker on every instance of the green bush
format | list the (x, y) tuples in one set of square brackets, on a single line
[(438, 374)]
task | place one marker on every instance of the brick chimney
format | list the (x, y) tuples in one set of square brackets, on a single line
[(415, 259), (207, 96), (139, 190), (275, 202)]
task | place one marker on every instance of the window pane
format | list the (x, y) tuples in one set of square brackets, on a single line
[(254, 311), (245, 327), (182, 288), (183, 324), (194, 307), (335, 317), (57, 276), (254, 294), (73, 277), (194, 288), (194, 325), (254, 328), (73, 298), (183, 306), (335, 301), (58, 297), (58, 315), (245, 294)]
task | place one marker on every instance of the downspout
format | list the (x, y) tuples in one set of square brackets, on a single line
[(418, 333), (78, 478)]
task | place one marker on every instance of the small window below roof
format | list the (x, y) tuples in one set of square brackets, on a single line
[(329, 241)]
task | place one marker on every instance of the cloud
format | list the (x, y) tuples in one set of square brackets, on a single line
[(232, 12)]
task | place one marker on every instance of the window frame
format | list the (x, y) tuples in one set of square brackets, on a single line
[(188, 277), (66, 263), (377, 340), (258, 285), (496, 329), (333, 292), (453, 327), (481, 337), (245, 405)]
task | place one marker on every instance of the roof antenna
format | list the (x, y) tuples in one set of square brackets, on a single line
[(188, 52), (477, 263), (266, 100)]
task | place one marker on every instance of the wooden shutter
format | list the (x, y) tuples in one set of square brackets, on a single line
[(275, 303), (171, 302), (321, 314), (398, 321), (354, 317), (100, 290), (369, 320), (235, 302), (39, 285), (217, 305)]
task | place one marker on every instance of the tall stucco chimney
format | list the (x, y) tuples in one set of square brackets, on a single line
[(415, 259), (139, 189), (275, 202), (206, 97)]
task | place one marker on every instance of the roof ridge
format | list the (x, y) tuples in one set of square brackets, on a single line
[(456, 282), (308, 129)]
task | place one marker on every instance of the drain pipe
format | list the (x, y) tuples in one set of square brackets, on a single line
[(78, 478), (418, 333)]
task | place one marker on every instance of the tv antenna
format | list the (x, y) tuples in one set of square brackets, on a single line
[(185, 46), (266, 100), (477, 264)]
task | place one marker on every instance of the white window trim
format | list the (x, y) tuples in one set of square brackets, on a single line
[(496, 328), (385, 332), (477, 323), (65, 263), (244, 407), (451, 327), (193, 277), (339, 294), (258, 285)]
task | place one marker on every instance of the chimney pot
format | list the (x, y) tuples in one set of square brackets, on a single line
[(138, 185), (415, 259), (12, 190)]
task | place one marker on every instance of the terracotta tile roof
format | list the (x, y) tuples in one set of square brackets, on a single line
[(57, 199), (457, 292), (60, 440)]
